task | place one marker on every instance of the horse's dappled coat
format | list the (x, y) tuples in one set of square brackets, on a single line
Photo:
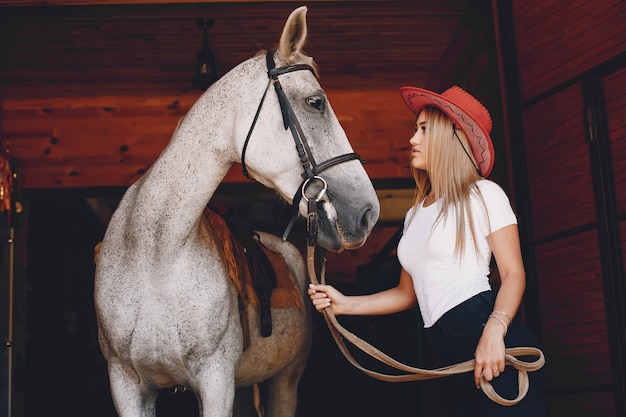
[(168, 312)]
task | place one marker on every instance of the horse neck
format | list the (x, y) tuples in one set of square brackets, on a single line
[(176, 189), (174, 192)]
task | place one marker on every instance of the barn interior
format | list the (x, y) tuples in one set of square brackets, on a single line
[(91, 91)]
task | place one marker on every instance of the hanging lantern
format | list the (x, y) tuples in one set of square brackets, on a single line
[(206, 73)]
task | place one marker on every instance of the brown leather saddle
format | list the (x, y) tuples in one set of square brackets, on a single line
[(260, 275)]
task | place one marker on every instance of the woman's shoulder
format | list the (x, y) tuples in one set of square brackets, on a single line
[(490, 187), (492, 193), (410, 212), (497, 203)]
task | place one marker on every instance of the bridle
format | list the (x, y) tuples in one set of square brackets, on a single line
[(311, 169), (316, 262)]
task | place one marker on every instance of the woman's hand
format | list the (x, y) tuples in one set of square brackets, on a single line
[(324, 296), (489, 355), (393, 300)]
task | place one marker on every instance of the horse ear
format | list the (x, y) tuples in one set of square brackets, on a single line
[(294, 35)]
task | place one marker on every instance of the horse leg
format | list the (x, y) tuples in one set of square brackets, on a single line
[(215, 390), (281, 392), (131, 397)]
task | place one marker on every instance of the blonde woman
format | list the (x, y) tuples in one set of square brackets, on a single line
[(458, 221)]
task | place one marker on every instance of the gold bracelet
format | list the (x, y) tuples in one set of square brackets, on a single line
[(506, 327), (503, 313)]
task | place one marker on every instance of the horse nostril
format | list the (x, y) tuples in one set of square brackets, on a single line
[(368, 219)]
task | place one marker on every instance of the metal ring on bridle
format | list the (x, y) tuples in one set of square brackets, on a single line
[(322, 192)]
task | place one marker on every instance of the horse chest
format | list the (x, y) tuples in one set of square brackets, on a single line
[(166, 302)]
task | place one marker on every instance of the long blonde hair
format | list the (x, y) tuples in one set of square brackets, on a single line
[(450, 176)]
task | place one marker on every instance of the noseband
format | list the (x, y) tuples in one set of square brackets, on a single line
[(311, 169)]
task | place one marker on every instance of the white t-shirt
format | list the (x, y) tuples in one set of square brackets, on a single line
[(441, 279)]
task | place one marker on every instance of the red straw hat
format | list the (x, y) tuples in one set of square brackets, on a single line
[(468, 114)]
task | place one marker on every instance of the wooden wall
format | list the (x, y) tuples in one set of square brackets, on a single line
[(571, 92), (90, 93), (565, 82), (97, 87), (111, 141)]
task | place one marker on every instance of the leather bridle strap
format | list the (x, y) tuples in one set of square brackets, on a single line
[(244, 169), (290, 121), (289, 118), (295, 202)]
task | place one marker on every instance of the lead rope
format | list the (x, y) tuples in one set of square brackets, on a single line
[(413, 374)]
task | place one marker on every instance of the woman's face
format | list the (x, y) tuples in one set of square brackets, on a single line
[(419, 143)]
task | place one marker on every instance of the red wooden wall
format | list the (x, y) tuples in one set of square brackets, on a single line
[(571, 293), (572, 97)]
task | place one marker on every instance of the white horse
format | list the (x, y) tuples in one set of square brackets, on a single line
[(167, 310)]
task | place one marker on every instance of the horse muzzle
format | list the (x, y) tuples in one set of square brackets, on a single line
[(346, 229)]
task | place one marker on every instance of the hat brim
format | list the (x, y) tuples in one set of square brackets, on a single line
[(477, 134)]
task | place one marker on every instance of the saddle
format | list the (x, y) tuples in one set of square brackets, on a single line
[(260, 275)]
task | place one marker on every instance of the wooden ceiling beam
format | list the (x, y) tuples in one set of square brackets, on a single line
[(31, 3), (89, 96)]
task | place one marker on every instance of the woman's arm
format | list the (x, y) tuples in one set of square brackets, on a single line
[(393, 300), (489, 355)]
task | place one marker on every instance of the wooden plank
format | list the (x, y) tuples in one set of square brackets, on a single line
[(31, 3), (131, 49), (100, 102), (573, 311), (556, 41), (558, 159), (102, 73), (63, 139)]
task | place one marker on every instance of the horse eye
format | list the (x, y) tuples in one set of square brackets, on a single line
[(316, 102)]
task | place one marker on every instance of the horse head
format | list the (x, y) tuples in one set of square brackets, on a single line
[(297, 146)]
